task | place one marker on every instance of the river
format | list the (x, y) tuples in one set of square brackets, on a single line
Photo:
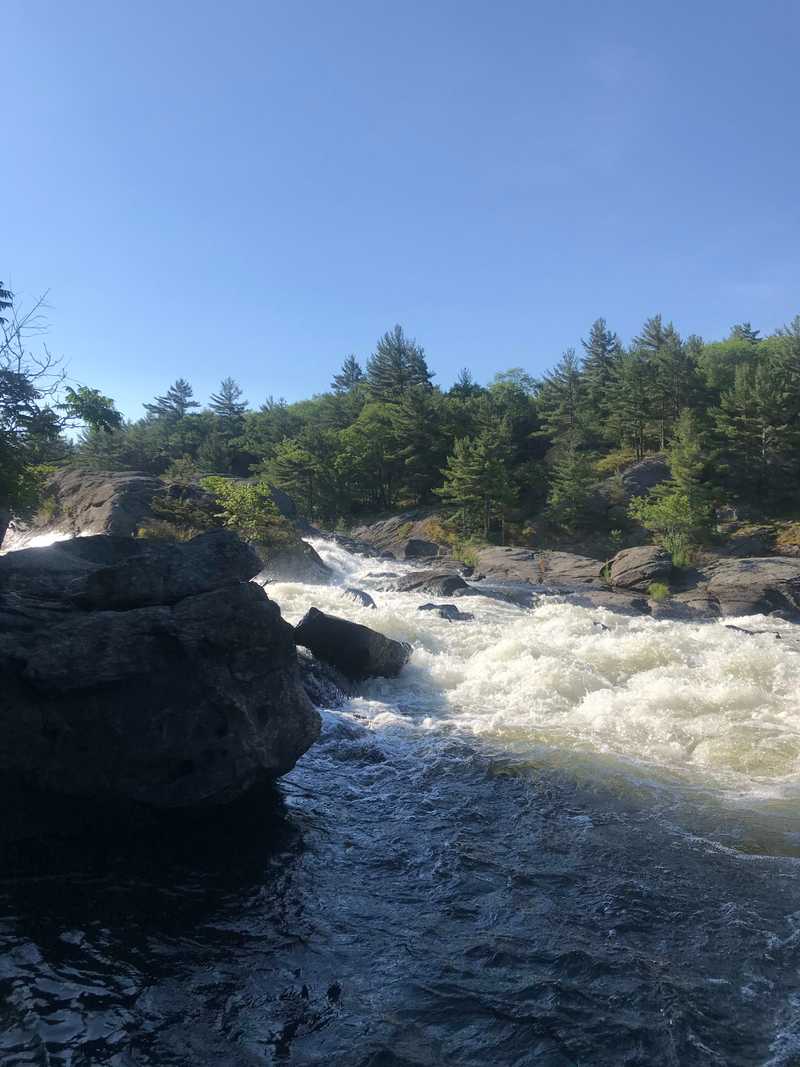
[(560, 837)]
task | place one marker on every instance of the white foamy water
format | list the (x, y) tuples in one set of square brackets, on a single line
[(711, 706), (16, 539)]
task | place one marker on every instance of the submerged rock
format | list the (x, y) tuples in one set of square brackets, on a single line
[(439, 583), (447, 611), (356, 650), (362, 598), (110, 695)]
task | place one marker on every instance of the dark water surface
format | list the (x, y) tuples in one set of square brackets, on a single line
[(431, 902)]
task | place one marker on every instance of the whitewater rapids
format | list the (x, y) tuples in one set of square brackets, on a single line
[(699, 704), (561, 837)]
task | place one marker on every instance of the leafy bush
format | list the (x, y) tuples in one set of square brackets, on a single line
[(248, 508), (658, 591), (677, 522), (162, 530), (614, 462)]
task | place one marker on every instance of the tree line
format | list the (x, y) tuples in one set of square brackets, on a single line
[(385, 435)]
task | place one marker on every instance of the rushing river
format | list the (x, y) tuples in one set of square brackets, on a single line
[(560, 837)]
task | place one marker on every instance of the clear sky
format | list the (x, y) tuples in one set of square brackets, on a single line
[(259, 188)]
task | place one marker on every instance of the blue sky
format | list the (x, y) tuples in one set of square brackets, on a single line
[(259, 189)]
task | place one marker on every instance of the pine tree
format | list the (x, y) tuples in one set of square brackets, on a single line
[(631, 400), (421, 443), (294, 469), (602, 352), (570, 488), (348, 377), (6, 302), (560, 398), (174, 404), (743, 331), (477, 481), (397, 364), (227, 404)]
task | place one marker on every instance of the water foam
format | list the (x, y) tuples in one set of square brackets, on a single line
[(700, 702)]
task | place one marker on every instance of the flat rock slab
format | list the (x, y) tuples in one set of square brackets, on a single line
[(357, 651), (756, 585), (541, 568)]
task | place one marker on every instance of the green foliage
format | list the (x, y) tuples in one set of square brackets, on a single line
[(658, 591), (248, 508), (572, 479), (495, 454), (92, 408), (182, 471)]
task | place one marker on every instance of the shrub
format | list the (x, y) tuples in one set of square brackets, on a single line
[(248, 508), (658, 591), (677, 522), (614, 462), (163, 530)]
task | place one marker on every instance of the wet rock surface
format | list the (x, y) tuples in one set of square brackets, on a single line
[(356, 650), (435, 582), (148, 673)]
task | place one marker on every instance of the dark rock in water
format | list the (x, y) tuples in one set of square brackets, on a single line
[(174, 705), (417, 548), (294, 562), (638, 568), (356, 650), (383, 574), (324, 684), (447, 611), (624, 603), (360, 597), (439, 583), (520, 594), (753, 633)]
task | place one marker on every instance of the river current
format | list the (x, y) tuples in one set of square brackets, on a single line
[(560, 837)]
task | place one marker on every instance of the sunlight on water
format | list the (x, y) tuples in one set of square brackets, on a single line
[(699, 701)]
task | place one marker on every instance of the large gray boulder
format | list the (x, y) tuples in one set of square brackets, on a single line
[(756, 585), (356, 650), (638, 568), (563, 569), (402, 536), (82, 502), (292, 562), (175, 704)]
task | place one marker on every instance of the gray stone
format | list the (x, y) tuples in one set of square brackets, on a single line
[(564, 569), (356, 650), (756, 585), (435, 582), (638, 568), (169, 705), (362, 598), (447, 611), (293, 562)]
